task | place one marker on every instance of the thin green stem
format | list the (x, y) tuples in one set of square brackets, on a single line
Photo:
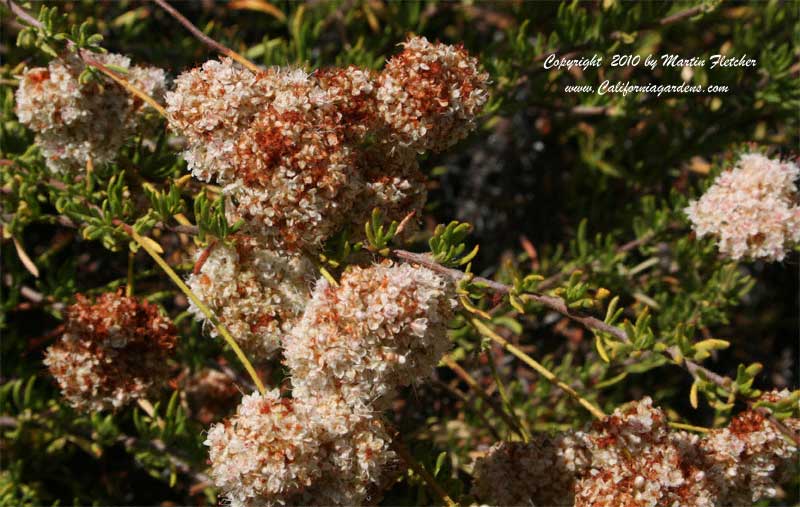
[(126, 84), (550, 376), (688, 427), (147, 245), (501, 388), (129, 285)]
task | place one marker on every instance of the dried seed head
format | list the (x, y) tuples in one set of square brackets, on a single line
[(257, 294), (73, 121), (752, 210), (112, 351), (430, 94), (382, 327)]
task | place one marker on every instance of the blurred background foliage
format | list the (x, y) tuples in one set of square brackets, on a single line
[(585, 190)]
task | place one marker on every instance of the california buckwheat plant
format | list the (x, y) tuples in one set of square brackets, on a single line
[(265, 253)]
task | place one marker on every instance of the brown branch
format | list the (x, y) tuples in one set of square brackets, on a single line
[(415, 465), (21, 13), (65, 221), (205, 39), (593, 324)]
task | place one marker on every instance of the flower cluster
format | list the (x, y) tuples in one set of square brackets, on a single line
[(279, 451), (300, 156), (75, 121), (541, 472), (752, 210), (749, 459), (380, 328), (112, 351), (257, 294), (632, 458)]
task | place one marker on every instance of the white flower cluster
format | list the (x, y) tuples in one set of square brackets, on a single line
[(280, 451), (73, 121), (632, 458), (752, 210), (257, 294), (381, 328), (300, 156), (112, 351)]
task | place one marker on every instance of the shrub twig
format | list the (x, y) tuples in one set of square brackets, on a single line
[(205, 39)]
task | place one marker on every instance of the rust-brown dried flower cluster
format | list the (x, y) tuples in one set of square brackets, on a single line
[(302, 155), (632, 458), (113, 351)]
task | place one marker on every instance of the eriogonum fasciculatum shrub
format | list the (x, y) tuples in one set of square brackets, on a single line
[(295, 213)]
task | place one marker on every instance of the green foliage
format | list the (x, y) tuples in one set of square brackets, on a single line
[(210, 217), (447, 244), (377, 238), (596, 185)]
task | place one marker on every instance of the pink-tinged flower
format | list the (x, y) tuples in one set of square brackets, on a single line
[(430, 94), (315, 451), (382, 327), (633, 458), (257, 294), (751, 210), (302, 156)]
